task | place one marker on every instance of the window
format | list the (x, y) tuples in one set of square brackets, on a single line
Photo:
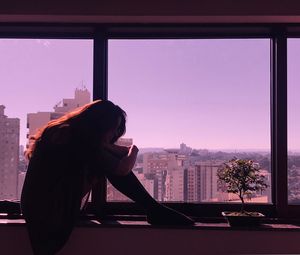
[(192, 104), (38, 76), (175, 75)]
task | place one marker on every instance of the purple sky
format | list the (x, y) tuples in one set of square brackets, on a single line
[(37, 74), (207, 93), (210, 94)]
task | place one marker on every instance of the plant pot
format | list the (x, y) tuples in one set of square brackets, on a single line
[(246, 219)]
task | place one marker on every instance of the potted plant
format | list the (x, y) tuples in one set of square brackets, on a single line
[(243, 178)]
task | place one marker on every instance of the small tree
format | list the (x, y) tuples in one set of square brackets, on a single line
[(241, 177)]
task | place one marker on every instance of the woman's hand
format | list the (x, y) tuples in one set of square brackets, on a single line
[(117, 150), (133, 150), (127, 163)]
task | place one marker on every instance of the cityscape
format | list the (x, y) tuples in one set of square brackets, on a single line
[(182, 174)]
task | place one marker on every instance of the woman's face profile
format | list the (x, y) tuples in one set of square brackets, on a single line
[(108, 136)]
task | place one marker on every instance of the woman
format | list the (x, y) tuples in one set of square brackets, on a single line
[(66, 158)]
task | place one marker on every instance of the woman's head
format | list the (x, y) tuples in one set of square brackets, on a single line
[(90, 123), (101, 118)]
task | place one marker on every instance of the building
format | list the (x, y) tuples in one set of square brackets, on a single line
[(81, 97), (167, 169), (9, 156), (39, 119), (127, 142), (156, 165), (112, 193), (175, 185), (203, 181), (191, 185), (184, 149), (175, 179)]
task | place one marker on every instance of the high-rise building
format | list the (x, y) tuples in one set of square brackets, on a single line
[(207, 180), (9, 156), (203, 181), (156, 165), (175, 185), (81, 97), (167, 169), (39, 119), (190, 184)]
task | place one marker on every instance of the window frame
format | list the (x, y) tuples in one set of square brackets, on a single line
[(277, 33)]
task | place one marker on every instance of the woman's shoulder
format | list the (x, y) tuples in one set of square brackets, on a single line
[(58, 135)]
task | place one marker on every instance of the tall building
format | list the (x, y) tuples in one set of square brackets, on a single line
[(39, 119), (156, 165), (202, 181), (207, 180), (81, 97), (9, 156), (175, 185), (190, 184), (167, 169)]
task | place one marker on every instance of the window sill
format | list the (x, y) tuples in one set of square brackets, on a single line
[(139, 222), (136, 236)]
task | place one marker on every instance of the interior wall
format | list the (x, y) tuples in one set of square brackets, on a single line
[(155, 241), (154, 7), (150, 11)]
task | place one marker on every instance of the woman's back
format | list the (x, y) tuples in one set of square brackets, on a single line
[(52, 190)]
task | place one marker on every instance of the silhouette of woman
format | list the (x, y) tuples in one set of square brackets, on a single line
[(66, 158)]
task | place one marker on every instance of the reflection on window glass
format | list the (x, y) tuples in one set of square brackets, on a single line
[(192, 105), (293, 121), (40, 80)]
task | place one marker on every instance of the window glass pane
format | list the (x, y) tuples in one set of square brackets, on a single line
[(293, 121), (41, 79), (192, 105)]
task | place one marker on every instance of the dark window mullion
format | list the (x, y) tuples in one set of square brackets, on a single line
[(100, 66), (279, 122), (293, 210), (99, 92)]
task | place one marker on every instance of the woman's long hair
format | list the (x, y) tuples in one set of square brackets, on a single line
[(88, 123)]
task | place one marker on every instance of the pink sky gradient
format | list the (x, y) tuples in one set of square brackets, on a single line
[(212, 94), (206, 93), (36, 74)]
